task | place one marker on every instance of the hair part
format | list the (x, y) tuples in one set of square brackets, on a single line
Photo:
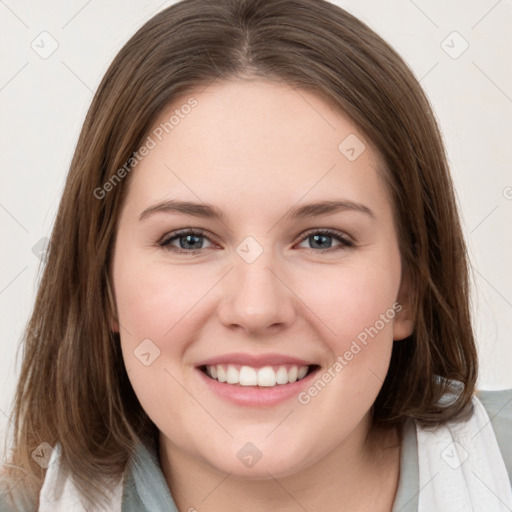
[(73, 387)]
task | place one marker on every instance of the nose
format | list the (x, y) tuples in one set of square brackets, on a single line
[(256, 297)]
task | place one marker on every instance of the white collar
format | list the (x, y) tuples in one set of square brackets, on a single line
[(59, 494), (460, 469)]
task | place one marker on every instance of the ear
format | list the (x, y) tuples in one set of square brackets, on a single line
[(403, 323), (114, 323)]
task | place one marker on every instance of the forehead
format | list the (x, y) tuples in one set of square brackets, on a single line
[(247, 139)]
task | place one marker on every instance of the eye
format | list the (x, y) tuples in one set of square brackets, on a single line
[(190, 241), (186, 238), (319, 237)]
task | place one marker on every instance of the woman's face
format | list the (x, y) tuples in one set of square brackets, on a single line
[(261, 292)]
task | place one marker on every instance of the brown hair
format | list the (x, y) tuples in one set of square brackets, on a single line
[(73, 388)]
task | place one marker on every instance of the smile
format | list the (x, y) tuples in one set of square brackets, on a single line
[(266, 376)]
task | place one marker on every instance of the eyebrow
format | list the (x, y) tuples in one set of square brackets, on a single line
[(205, 210)]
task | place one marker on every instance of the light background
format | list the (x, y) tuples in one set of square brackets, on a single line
[(43, 103)]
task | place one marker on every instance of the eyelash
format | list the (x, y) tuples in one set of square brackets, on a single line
[(346, 243)]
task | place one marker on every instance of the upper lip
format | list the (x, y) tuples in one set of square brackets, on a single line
[(254, 360)]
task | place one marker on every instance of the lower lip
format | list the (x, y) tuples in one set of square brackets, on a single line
[(255, 396)]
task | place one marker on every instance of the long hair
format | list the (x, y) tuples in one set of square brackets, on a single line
[(73, 388)]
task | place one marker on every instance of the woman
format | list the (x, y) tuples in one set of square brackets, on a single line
[(262, 368)]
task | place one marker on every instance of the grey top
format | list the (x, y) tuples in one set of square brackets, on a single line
[(146, 490)]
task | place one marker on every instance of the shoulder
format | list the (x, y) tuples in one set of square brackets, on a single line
[(6, 504), (498, 405), (6, 494), (13, 495), (10, 501)]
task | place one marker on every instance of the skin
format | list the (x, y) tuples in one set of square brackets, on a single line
[(255, 149)]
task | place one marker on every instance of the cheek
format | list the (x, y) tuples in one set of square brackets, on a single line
[(355, 322), (154, 304), (151, 299), (354, 309), (150, 304), (351, 299)]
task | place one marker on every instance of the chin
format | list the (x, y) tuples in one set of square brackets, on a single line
[(253, 464)]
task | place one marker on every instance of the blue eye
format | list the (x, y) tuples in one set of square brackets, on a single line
[(318, 238), (189, 241)]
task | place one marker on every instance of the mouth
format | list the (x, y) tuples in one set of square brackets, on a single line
[(268, 376)]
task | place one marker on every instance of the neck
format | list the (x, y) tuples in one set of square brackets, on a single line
[(361, 473)]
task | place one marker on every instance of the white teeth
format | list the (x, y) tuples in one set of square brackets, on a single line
[(232, 375), (221, 374), (282, 375), (248, 376), (267, 376), (302, 372)]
